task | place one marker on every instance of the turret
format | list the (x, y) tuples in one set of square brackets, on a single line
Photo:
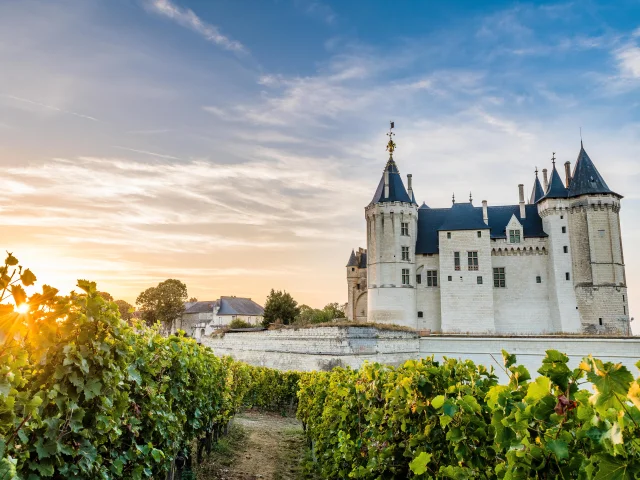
[(392, 224), (553, 207), (357, 285), (537, 193), (596, 250)]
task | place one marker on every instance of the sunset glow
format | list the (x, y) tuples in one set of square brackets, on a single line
[(22, 309)]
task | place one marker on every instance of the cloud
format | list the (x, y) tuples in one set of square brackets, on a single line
[(49, 107), (628, 58), (317, 9), (159, 155), (185, 17)]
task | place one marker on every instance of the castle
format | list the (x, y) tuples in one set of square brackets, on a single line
[(553, 264)]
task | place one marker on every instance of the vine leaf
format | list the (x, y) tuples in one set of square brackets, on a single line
[(538, 390), (611, 469), (559, 448), (419, 464), (612, 382)]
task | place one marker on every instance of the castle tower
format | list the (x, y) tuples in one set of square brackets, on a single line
[(596, 250), (357, 286), (553, 208), (392, 225)]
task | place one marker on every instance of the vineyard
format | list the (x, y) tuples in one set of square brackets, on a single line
[(84, 395)]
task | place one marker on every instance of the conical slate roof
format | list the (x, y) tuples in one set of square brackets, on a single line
[(353, 261), (397, 192), (586, 179), (537, 192), (423, 206), (556, 188)]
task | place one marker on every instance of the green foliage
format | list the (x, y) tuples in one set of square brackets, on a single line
[(451, 419), (163, 303), (308, 315), (125, 309), (85, 396), (280, 307), (239, 323)]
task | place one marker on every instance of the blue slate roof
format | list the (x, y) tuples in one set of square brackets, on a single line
[(586, 179), (397, 192), (353, 261), (200, 307), (363, 261), (464, 216), (537, 193), (556, 187), (239, 306), (424, 205)]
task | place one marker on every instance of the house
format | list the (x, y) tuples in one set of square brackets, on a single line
[(202, 318)]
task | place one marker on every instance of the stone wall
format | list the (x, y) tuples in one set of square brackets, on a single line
[(322, 348)]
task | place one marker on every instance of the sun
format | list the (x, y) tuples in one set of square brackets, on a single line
[(22, 309)]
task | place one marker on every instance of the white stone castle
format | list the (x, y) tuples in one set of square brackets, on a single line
[(551, 265)]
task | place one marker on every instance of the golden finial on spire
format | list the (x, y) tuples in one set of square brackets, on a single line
[(391, 146)]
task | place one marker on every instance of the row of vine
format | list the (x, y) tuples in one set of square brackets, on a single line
[(84, 395), (451, 419)]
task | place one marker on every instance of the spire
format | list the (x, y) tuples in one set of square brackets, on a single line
[(586, 179), (538, 191), (470, 198), (556, 187), (353, 261), (453, 198), (391, 188)]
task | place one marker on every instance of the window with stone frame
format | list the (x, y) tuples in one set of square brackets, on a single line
[(404, 229), (472, 258), (419, 279), (405, 253), (499, 278), (432, 278), (405, 276), (514, 236), (456, 260)]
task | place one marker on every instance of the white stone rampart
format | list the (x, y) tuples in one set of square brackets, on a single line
[(322, 348), (428, 297)]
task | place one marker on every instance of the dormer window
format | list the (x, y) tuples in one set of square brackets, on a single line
[(514, 236)]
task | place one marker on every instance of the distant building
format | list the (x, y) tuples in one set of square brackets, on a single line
[(553, 264), (202, 318)]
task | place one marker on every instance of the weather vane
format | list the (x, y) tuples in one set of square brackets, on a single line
[(391, 146), (553, 159), (536, 170)]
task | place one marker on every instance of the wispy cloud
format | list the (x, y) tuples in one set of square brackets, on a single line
[(317, 9), (49, 107), (185, 17), (159, 155), (628, 58)]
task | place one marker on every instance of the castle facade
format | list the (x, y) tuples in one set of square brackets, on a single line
[(552, 264)]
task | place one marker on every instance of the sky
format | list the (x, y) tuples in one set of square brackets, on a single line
[(234, 144)]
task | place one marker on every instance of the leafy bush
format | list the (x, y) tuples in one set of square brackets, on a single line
[(239, 323), (427, 419)]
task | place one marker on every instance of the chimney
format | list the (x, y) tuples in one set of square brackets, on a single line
[(545, 180), (523, 212), (485, 212), (567, 172), (409, 187), (386, 184)]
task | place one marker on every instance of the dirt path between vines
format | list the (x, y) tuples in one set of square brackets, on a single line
[(259, 446)]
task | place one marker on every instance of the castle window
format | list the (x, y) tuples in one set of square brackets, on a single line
[(538, 279), (432, 278), (418, 278), (567, 276), (479, 280), (420, 314), (405, 276), (404, 229), (456, 260), (564, 229), (514, 236), (450, 278), (448, 234), (623, 297), (479, 234), (600, 321), (358, 286), (561, 217), (624, 310), (472, 258), (353, 269), (601, 233), (405, 253), (499, 279), (565, 249)]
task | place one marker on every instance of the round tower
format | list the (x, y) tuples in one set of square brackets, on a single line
[(392, 225)]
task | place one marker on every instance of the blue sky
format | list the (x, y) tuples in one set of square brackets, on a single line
[(234, 144)]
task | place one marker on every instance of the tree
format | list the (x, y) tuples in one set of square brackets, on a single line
[(280, 307), (334, 310), (193, 300), (125, 310), (164, 303), (106, 296)]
